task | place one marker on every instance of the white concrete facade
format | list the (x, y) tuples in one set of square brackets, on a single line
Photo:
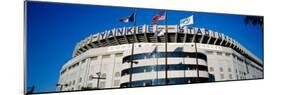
[(218, 60)]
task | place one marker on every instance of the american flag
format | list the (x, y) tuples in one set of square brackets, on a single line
[(158, 17)]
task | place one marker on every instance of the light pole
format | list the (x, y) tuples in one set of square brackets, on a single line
[(131, 70), (98, 78), (196, 51), (133, 46)]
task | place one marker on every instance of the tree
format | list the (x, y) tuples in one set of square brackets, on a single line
[(30, 90), (254, 20)]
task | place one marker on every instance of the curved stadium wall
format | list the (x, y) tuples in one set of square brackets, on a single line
[(102, 60)]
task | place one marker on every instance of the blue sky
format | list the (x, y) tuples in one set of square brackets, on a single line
[(53, 30)]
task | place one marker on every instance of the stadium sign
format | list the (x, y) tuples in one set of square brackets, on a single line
[(159, 29)]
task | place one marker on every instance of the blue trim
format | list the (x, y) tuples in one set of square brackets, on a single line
[(171, 67), (162, 55)]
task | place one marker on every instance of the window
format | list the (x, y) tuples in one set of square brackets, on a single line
[(84, 60), (116, 82), (219, 53), (229, 69), (211, 69), (227, 54), (80, 80), (90, 77), (209, 52), (239, 59), (106, 56), (171, 67), (222, 76), (221, 69), (234, 56), (94, 58), (230, 76), (117, 74), (79, 87), (89, 85), (76, 64), (119, 54), (102, 84), (73, 83), (63, 71)]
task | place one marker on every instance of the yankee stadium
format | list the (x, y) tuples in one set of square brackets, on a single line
[(187, 55)]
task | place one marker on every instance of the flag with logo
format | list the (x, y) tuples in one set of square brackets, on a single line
[(158, 17), (131, 18), (186, 21)]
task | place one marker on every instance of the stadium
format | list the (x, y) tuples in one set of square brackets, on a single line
[(184, 55)]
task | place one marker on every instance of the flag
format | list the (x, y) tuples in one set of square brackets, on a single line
[(186, 21), (158, 17), (128, 19)]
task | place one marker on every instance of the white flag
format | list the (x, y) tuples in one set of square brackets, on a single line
[(186, 21)]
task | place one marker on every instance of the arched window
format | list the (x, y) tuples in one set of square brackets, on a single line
[(229, 69)]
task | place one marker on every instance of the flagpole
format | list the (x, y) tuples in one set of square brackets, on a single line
[(196, 51), (157, 54), (166, 57), (132, 52)]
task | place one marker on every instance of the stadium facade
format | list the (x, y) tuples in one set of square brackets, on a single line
[(103, 60)]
